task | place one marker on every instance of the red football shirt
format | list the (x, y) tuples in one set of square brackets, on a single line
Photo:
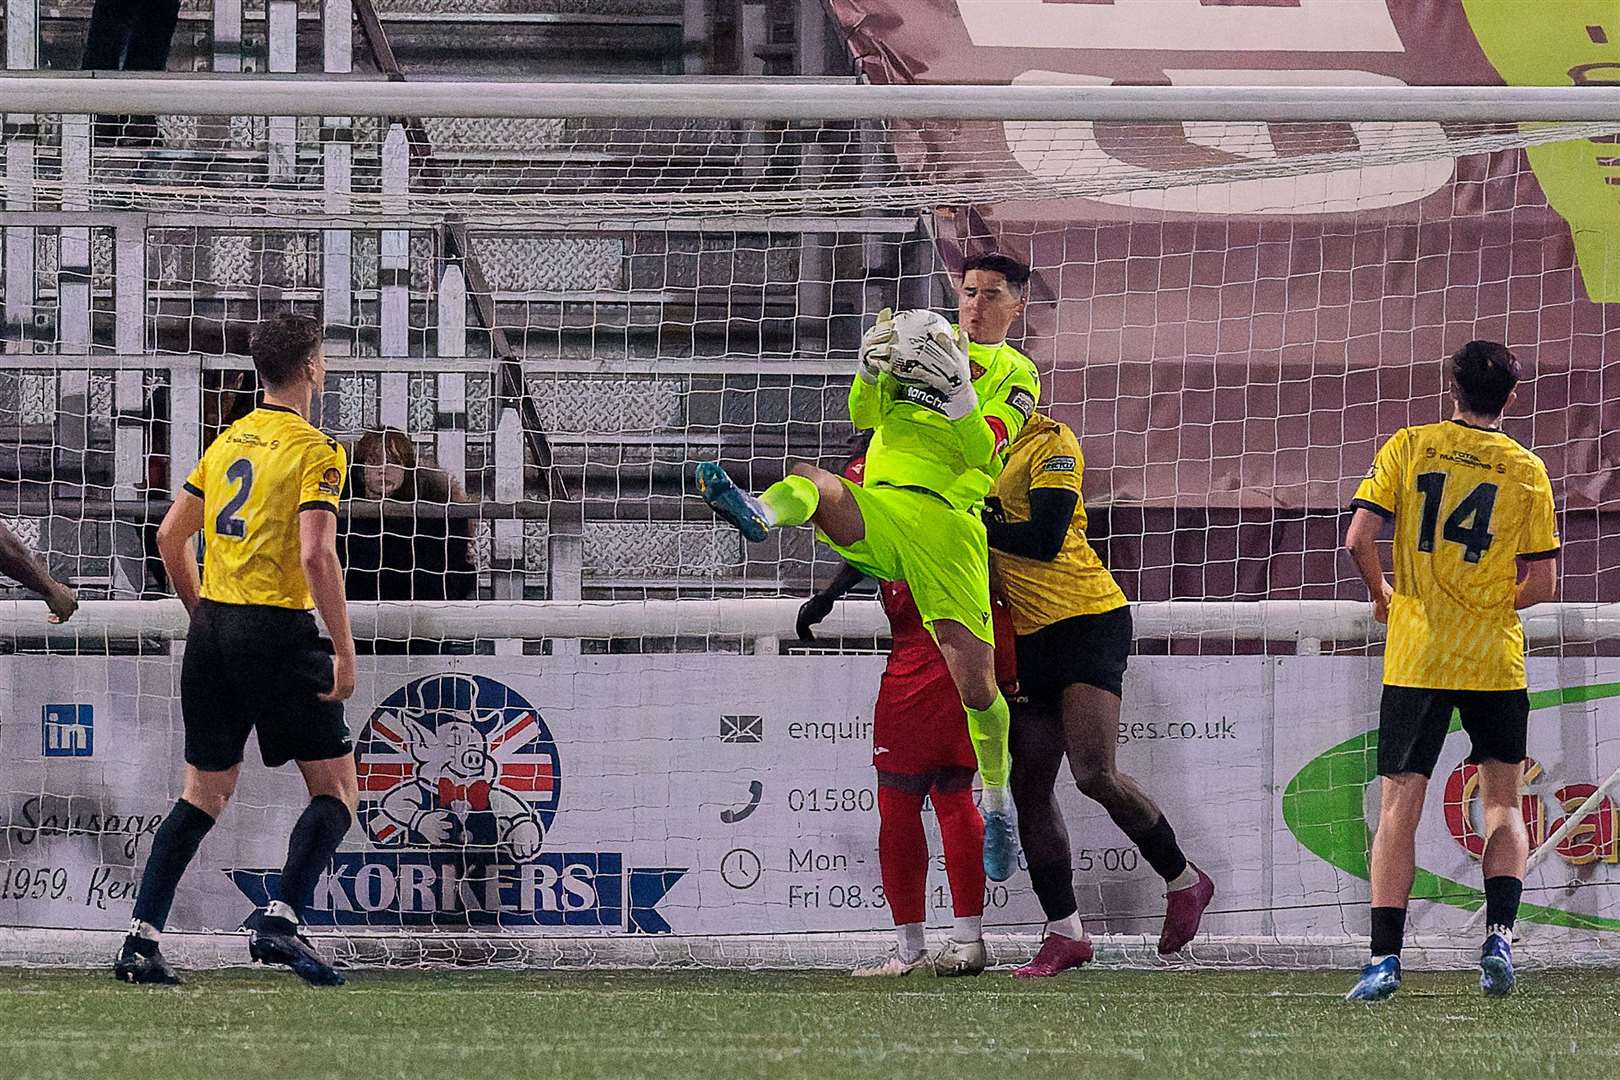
[(914, 659)]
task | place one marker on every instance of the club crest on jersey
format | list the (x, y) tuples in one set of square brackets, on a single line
[(458, 761)]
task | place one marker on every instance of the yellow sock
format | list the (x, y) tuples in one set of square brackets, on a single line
[(792, 500), (988, 730)]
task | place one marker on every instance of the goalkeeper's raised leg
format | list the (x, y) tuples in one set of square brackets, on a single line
[(943, 404)]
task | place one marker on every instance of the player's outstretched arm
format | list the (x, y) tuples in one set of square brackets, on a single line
[(985, 426), (819, 606), (317, 549), (1361, 541), (183, 521), (22, 565), (871, 392), (1540, 583)]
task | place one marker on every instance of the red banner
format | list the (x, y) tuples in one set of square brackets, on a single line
[(1250, 361)]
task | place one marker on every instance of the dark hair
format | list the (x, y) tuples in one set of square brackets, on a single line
[(1016, 273), (1483, 375), (282, 345), (385, 446), (388, 446)]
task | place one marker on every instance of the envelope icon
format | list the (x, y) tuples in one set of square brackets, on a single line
[(742, 729)]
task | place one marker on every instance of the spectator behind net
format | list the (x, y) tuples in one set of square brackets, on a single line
[(130, 35), (401, 552)]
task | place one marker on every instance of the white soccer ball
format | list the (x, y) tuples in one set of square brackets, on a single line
[(911, 331)]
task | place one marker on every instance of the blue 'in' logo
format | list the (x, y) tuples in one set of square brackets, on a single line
[(68, 731)]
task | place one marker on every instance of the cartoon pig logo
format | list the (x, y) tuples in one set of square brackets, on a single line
[(458, 761)]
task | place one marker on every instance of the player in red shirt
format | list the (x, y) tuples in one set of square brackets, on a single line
[(921, 748)]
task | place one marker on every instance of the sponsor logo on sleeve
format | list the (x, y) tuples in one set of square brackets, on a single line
[(1022, 400), (331, 482), (1065, 463)]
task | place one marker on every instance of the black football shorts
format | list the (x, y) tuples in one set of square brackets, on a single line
[(1089, 649), (1413, 723), (252, 667)]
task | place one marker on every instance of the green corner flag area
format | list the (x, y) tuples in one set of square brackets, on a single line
[(1102, 1025)]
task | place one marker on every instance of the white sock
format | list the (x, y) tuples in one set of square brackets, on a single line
[(142, 929), (1184, 880), (910, 937), (1375, 961), (276, 909), (968, 928), (995, 799), (1068, 926)]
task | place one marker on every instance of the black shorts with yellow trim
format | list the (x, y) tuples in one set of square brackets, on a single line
[(1089, 649), (1413, 723), (252, 667)]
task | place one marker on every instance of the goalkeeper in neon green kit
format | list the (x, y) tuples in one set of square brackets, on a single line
[(941, 424)]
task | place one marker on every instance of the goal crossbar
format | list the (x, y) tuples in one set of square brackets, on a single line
[(787, 99), (1261, 620)]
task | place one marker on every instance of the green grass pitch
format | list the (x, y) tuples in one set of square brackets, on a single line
[(1097, 1025)]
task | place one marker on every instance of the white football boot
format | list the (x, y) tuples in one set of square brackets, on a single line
[(891, 966), (961, 958)]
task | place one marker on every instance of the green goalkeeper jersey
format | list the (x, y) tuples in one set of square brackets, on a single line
[(914, 445)]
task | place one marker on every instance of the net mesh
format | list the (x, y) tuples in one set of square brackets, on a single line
[(579, 168), (1232, 316)]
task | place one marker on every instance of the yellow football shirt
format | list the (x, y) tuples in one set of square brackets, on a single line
[(1467, 503), (254, 481), (1047, 455)]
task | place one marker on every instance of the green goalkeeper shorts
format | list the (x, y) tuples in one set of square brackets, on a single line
[(940, 552)]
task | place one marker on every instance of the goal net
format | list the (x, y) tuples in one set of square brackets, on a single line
[(544, 303)]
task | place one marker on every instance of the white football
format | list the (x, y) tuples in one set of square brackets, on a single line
[(911, 330)]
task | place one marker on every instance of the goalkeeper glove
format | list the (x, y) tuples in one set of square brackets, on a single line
[(942, 365), (811, 612), (877, 347)]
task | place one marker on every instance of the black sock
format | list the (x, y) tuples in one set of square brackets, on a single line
[(173, 847), (1158, 846), (1054, 887), (314, 840), (1502, 901), (1388, 928)]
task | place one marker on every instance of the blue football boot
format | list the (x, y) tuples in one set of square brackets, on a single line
[(1378, 981), (998, 846), (1496, 966), (731, 502)]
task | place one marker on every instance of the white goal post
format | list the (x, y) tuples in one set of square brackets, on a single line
[(1344, 622), (796, 99)]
